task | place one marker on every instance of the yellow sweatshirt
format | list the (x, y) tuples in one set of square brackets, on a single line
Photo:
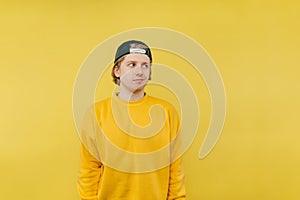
[(126, 152)]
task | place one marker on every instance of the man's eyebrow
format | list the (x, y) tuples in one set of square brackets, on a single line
[(129, 61), (135, 61)]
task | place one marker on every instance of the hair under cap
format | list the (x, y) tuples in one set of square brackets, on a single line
[(126, 48)]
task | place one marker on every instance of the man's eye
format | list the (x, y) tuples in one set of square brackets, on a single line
[(146, 65), (131, 65)]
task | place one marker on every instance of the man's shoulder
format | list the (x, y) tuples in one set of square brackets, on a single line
[(103, 103), (106, 103), (157, 99), (162, 102)]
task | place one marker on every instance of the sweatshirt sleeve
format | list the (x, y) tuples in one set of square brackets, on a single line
[(176, 179), (176, 182), (89, 175)]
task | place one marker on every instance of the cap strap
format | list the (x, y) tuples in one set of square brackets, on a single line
[(136, 50)]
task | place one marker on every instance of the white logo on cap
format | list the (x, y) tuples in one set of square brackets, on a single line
[(135, 50)]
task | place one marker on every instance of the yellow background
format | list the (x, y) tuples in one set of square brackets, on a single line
[(255, 45)]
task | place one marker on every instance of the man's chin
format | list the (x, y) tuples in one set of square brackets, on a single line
[(139, 88)]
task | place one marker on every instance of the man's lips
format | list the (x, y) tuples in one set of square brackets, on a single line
[(138, 79)]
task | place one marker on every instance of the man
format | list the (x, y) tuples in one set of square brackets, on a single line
[(121, 147)]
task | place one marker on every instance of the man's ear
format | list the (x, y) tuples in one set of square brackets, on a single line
[(117, 71)]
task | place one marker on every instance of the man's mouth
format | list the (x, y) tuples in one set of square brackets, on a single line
[(138, 80)]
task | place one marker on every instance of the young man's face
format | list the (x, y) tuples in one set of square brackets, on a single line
[(134, 72)]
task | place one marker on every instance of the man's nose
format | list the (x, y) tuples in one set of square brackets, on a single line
[(139, 69)]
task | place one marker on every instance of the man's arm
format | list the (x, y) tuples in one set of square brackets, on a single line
[(176, 179), (89, 175)]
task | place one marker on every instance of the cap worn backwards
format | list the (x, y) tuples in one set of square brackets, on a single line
[(128, 48)]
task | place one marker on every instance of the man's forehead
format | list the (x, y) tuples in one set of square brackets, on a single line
[(137, 57)]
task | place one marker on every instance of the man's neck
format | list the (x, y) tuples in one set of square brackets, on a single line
[(128, 96)]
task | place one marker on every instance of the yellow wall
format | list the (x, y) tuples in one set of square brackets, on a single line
[(255, 45)]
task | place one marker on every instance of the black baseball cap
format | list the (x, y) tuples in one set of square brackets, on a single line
[(126, 48)]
